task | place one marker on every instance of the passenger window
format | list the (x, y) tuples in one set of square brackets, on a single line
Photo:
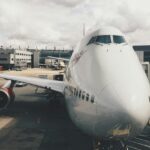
[(83, 95), (79, 93), (74, 91), (92, 99), (105, 39), (118, 39), (87, 97)]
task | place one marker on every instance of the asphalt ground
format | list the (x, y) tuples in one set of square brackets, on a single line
[(31, 123)]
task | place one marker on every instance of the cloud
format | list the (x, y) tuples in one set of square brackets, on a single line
[(59, 22), (68, 3)]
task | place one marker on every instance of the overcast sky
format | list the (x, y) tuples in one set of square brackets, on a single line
[(44, 23)]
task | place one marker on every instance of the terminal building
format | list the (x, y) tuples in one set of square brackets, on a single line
[(35, 57), (11, 58), (143, 53), (14, 58), (55, 53)]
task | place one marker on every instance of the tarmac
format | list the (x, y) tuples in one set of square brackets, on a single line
[(32, 123)]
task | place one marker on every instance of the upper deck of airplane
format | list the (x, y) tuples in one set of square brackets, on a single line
[(107, 35), (107, 31), (103, 36)]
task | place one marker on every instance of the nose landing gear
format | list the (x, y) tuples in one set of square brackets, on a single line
[(109, 145)]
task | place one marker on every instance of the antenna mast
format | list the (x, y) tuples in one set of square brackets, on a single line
[(83, 29)]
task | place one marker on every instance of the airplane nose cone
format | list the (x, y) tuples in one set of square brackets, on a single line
[(124, 112)]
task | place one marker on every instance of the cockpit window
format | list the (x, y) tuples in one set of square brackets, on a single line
[(92, 40), (106, 39), (118, 39)]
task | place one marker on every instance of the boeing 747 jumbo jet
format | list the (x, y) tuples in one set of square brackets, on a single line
[(106, 91)]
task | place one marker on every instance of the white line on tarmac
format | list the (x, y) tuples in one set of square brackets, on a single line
[(4, 121)]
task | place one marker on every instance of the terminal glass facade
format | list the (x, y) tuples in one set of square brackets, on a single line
[(55, 53), (146, 49)]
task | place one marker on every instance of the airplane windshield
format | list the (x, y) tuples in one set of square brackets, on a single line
[(92, 40), (118, 39), (106, 39)]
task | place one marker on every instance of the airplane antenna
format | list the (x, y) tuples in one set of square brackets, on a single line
[(83, 29)]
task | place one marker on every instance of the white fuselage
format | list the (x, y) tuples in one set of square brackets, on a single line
[(108, 92)]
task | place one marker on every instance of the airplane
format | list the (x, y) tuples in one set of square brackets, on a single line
[(106, 90)]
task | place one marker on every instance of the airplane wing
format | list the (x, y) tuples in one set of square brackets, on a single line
[(43, 83), (59, 58)]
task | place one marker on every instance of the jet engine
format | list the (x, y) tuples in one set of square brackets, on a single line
[(7, 97)]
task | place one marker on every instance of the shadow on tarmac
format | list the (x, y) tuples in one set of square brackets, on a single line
[(40, 126)]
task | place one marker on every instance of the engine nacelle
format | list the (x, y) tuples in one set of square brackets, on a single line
[(7, 97)]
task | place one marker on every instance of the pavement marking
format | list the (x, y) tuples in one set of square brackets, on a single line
[(5, 121)]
